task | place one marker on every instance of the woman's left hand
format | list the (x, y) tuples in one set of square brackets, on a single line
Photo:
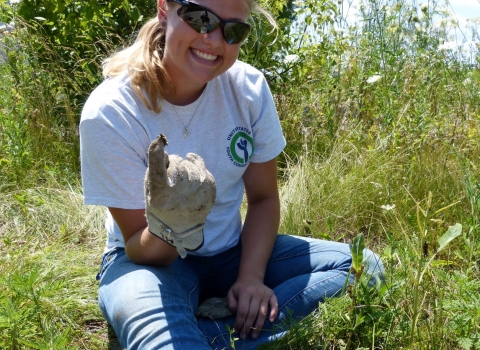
[(249, 299)]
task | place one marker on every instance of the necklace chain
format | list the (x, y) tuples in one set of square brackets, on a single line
[(186, 131)]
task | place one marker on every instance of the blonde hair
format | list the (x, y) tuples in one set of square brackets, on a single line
[(143, 62)]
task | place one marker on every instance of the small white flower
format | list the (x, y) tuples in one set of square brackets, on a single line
[(467, 82), (388, 207), (449, 45), (442, 23), (419, 28), (392, 29), (291, 58), (374, 79), (445, 11), (469, 46)]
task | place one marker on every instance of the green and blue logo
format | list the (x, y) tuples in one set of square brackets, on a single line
[(241, 148)]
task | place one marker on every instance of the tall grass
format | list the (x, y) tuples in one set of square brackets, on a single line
[(40, 108), (51, 251), (382, 125), (385, 195)]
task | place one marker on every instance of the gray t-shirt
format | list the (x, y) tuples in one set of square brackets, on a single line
[(235, 123)]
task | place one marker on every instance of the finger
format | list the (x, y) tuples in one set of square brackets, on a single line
[(204, 175), (176, 172), (252, 315), (195, 173), (273, 308), (196, 159), (260, 320), (242, 313), (157, 163), (232, 301)]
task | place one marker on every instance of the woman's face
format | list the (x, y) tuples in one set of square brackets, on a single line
[(193, 58)]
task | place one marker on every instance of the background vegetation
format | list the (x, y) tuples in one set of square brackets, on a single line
[(382, 119)]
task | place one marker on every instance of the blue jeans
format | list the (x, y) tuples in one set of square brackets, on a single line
[(154, 307)]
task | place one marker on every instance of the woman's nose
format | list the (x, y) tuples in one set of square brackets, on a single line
[(214, 38)]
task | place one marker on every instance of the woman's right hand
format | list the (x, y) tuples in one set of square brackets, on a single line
[(179, 194)]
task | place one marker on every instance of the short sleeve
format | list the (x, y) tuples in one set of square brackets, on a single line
[(113, 157), (266, 128)]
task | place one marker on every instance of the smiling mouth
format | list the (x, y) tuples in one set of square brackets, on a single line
[(204, 56)]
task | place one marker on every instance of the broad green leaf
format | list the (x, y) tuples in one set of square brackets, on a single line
[(357, 252), (89, 13), (135, 15), (359, 319), (452, 233)]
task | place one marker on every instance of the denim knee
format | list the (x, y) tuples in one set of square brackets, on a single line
[(373, 266)]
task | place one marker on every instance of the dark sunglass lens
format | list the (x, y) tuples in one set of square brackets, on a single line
[(201, 21), (235, 33)]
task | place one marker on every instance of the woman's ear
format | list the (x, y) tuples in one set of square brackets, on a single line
[(162, 11)]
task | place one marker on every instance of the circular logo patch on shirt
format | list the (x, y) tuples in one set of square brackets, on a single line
[(240, 149)]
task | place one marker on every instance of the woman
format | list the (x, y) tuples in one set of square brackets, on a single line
[(181, 78)]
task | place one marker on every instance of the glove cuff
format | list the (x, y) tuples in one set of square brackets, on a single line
[(191, 239)]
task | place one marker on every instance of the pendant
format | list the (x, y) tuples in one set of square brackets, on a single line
[(185, 132)]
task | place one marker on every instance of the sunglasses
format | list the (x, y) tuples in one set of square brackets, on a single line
[(202, 20)]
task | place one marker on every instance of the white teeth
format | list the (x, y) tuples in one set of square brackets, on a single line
[(204, 56)]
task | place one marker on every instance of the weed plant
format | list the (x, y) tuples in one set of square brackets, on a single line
[(39, 117), (382, 120)]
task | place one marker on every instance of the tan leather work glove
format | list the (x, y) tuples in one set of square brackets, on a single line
[(179, 194)]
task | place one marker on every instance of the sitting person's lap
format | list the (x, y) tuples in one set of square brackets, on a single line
[(154, 307)]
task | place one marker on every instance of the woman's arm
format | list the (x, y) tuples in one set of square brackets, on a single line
[(249, 297), (141, 246)]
